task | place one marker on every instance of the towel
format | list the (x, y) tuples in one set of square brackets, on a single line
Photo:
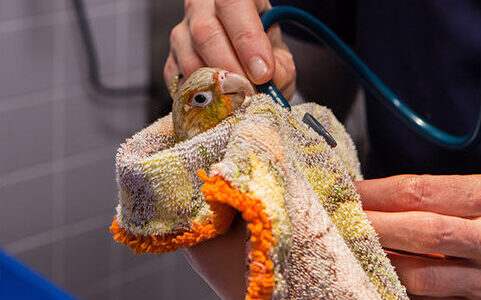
[(309, 238)]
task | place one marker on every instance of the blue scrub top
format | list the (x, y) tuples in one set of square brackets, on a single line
[(429, 53)]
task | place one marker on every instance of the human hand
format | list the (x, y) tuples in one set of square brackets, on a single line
[(228, 34), (222, 262), (418, 215)]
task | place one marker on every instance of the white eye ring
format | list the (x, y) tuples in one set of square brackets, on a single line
[(201, 99)]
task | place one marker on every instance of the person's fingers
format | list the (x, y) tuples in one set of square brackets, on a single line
[(285, 71), (170, 69), (289, 91), (183, 52), (280, 76), (424, 232), (449, 195), (438, 278), (275, 36), (209, 38), (241, 21), (285, 75)]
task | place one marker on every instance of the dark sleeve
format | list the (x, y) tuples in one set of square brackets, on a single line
[(338, 15)]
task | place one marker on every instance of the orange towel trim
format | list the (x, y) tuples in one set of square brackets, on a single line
[(219, 223), (261, 277), (221, 197)]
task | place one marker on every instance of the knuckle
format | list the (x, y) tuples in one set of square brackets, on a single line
[(221, 4), (410, 189), (246, 37), (175, 34), (204, 33), (441, 232), (475, 194)]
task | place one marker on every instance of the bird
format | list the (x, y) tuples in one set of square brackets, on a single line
[(204, 99)]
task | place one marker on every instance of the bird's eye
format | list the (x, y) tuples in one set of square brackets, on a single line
[(201, 99)]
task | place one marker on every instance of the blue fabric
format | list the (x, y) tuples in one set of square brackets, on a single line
[(429, 53), (18, 282)]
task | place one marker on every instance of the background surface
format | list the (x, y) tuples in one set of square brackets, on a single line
[(57, 145)]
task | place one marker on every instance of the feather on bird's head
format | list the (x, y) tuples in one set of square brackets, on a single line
[(206, 98)]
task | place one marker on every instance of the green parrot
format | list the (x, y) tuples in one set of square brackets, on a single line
[(206, 98)]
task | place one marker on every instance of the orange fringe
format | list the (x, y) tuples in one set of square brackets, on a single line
[(218, 224), (261, 277), (218, 193)]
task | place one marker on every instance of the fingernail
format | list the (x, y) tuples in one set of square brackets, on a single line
[(257, 68)]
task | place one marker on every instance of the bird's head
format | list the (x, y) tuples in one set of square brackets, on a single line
[(206, 98)]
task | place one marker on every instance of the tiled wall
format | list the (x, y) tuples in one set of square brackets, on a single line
[(57, 144)]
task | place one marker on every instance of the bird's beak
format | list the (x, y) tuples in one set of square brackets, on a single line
[(237, 87)]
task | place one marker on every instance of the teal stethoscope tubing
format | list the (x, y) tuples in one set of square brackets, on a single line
[(370, 80)]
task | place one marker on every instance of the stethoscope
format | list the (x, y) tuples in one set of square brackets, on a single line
[(368, 78)]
